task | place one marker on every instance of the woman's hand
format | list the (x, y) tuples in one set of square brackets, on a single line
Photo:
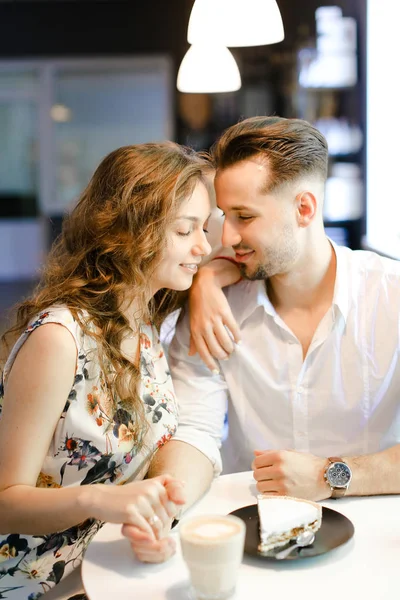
[(161, 547), (213, 328), (147, 506), (150, 550)]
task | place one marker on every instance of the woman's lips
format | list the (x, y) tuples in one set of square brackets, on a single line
[(243, 257), (190, 267)]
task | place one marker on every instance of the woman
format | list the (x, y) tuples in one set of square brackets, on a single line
[(87, 396)]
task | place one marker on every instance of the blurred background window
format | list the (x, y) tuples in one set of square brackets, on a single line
[(18, 143), (58, 119), (98, 109)]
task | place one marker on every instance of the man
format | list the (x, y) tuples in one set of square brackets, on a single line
[(317, 374), (313, 390)]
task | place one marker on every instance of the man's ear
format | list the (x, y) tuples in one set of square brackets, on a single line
[(306, 208)]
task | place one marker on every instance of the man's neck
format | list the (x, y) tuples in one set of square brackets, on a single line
[(310, 283)]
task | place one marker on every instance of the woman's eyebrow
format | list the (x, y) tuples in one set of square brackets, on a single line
[(193, 219)]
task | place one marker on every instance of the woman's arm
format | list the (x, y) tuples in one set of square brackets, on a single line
[(210, 314), (36, 391)]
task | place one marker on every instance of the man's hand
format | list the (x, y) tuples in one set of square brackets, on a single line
[(210, 314), (290, 473)]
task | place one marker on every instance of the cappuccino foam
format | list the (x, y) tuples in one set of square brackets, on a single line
[(211, 530)]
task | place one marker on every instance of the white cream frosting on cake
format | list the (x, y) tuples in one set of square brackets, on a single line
[(283, 518)]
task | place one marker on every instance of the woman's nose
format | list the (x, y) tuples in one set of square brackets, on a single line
[(203, 247)]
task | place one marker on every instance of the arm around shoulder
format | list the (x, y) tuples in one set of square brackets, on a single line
[(221, 270), (214, 329)]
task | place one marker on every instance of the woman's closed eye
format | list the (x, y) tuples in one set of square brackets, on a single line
[(186, 233)]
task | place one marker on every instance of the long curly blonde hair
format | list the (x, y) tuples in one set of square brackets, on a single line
[(109, 247)]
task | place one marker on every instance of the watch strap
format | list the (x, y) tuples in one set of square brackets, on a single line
[(338, 492), (333, 459)]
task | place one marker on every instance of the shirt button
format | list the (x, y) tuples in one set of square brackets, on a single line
[(300, 389)]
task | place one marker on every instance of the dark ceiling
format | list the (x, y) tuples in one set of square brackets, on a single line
[(59, 27)]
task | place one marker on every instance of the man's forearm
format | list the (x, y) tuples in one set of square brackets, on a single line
[(374, 474), (186, 463)]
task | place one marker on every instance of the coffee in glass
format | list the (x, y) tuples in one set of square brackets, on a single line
[(212, 547)]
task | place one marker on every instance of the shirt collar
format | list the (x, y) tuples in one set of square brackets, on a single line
[(253, 294), (246, 297), (341, 290)]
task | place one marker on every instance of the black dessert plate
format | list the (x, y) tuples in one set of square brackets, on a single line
[(335, 530)]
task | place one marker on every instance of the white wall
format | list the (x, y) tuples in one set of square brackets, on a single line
[(383, 127)]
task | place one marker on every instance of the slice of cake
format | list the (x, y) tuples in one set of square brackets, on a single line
[(283, 518)]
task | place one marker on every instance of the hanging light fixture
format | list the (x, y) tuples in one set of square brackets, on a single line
[(235, 23), (208, 68)]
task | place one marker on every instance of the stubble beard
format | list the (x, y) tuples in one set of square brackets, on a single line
[(277, 261), (261, 271)]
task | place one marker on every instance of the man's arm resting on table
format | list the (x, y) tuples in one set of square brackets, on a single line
[(374, 474), (292, 473), (187, 463)]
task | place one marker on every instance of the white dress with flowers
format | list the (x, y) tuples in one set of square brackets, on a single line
[(95, 442)]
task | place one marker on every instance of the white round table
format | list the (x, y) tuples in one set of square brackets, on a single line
[(367, 566)]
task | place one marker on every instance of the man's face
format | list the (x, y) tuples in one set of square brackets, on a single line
[(261, 227)]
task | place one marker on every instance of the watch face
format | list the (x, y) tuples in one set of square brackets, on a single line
[(338, 474)]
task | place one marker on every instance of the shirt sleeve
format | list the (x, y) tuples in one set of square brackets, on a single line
[(202, 397)]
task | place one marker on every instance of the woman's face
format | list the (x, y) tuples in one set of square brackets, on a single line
[(186, 243)]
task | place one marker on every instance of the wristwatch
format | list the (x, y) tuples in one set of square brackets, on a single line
[(338, 476)]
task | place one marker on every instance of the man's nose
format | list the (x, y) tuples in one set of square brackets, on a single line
[(230, 236)]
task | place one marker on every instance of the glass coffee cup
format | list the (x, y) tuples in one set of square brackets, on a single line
[(212, 547)]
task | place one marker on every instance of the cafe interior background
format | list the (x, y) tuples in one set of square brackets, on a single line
[(80, 78)]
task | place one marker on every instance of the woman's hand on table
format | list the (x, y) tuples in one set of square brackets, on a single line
[(160, 547), (151, 551), (147, 506)]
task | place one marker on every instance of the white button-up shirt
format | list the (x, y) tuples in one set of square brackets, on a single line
[(342, 399)]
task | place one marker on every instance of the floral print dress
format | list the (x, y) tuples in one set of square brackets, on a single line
[(95, 441)]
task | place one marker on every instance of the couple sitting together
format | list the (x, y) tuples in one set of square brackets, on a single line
[(293, 337)]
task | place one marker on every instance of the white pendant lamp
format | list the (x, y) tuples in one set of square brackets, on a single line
[(208, 69), (235, 23)]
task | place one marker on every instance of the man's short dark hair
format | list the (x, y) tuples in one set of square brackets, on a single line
[(293, 148)]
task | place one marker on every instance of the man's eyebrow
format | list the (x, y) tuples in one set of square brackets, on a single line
[(239, 208)]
